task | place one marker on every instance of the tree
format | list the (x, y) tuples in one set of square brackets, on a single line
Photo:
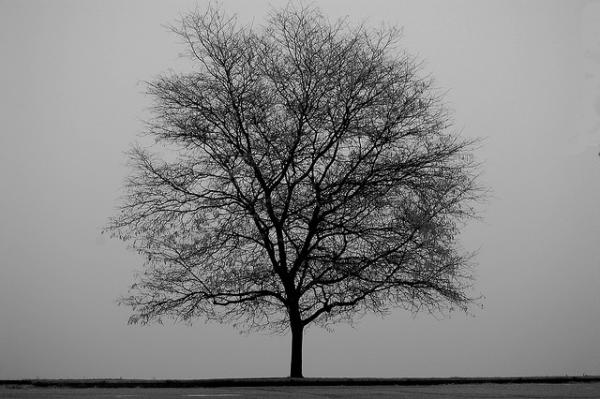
[(312, 178)]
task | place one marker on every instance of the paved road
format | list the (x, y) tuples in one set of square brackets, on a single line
[(483, 391)]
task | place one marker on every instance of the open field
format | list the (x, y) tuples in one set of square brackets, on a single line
[(480, 390), (487, 391)]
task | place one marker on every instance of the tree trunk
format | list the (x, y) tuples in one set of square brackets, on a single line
[(297, 335)]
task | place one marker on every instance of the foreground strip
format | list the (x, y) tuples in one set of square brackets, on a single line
[(266, 382)]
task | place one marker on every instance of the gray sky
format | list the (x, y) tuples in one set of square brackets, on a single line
[(524, 75)]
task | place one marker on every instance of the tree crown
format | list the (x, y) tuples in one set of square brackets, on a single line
[(315, 177)]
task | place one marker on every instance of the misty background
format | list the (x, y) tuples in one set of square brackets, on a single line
[(523, 75)]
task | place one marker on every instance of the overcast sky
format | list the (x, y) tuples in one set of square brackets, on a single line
[(523, 75)]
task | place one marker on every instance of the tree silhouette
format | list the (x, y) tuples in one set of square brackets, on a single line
[(312, 177)]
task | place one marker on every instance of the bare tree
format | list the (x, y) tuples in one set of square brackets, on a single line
[(314, 178)]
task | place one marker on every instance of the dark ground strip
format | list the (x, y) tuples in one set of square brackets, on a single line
[(459, 391), (276, 382)]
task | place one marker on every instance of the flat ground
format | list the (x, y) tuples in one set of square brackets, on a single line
[(484, 391)]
